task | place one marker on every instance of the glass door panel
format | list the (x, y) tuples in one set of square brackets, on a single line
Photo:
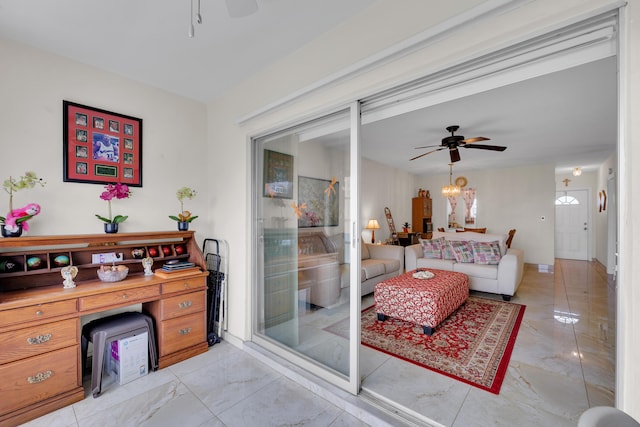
[(303, 243)]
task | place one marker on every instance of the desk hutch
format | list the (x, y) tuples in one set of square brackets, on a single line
[(40, 321)]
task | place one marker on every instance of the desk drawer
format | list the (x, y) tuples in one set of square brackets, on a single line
[(38, 339), (37, 312), (119, 298), (184, 285), (181, 332), (182, 304), (37, 378)]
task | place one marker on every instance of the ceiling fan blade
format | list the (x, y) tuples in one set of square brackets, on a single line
[(428, 146), (428, 152), (476, 139), (486, 147), (454, 154), (241, 8)]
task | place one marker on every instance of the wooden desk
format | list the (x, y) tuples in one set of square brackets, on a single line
[(40, 321)]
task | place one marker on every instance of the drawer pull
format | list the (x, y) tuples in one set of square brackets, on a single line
[(124, 296), (39, 377), (185, 304), (184, 331), (39, 313), (186, 285), (40, 339)]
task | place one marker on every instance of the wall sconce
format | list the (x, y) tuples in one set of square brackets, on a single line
[(373, 226), (577, 172)]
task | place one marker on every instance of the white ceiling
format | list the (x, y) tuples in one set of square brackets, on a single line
[(147, 40), (568, 118)]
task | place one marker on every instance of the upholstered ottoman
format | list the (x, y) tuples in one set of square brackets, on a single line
[(425, 302)]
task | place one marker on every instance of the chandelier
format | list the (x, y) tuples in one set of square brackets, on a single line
[(450, 190)]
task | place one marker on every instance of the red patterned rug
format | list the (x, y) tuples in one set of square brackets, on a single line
[(473, 345)]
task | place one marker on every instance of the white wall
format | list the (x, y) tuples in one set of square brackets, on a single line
[(509, 198), (32, 88), (603, 239), (382, 186)]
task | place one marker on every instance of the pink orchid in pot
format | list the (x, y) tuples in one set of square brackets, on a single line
[(16, 219), (184, 217), (114, 191)]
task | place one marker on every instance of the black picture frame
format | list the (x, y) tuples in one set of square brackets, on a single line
[(278, 175)]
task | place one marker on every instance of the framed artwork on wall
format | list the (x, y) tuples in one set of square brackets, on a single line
[(101, 146), (278, 175), (320, 200)]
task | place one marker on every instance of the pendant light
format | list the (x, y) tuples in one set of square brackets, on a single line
[(450, 190)]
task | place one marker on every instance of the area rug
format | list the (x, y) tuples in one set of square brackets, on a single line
[(473, 345)]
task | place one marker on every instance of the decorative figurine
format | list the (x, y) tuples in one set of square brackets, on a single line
[(147, 263), (69, 273), (137, 253)]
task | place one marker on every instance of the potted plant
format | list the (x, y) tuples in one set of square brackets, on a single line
[(184, 217), (117, 191), (16, 219)]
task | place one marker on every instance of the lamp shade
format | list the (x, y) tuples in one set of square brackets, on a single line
[(372, 224)]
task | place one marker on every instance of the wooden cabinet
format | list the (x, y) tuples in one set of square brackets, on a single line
[(40, 321), (421, 216)]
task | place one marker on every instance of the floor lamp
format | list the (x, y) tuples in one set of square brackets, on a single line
[(373, 226)]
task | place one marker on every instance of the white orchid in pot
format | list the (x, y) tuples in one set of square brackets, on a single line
[(184, 217), (16, 219)]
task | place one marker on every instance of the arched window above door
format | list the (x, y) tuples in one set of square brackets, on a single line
[(567, 200)]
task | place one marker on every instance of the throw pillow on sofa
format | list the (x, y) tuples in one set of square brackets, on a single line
[(462, 250), (432, 248), (486, 252), (447, 251)]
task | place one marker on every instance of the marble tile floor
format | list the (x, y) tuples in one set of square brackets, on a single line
[(563, 363)]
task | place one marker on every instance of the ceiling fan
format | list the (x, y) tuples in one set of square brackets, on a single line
[(454, 141)]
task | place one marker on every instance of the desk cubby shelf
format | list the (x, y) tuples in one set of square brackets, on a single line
[(79, 250)]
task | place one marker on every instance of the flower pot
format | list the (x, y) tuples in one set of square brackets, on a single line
[(111, 227), (7, 233), (183, 225)]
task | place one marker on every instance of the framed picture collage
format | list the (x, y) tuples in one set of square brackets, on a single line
[(101, 146)]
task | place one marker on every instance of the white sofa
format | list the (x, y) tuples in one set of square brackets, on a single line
[(503, 278), (378, 263)]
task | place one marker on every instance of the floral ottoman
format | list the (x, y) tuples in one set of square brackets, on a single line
[(425, 297)]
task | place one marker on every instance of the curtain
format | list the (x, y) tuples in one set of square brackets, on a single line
[(469, 196), (453, 202)]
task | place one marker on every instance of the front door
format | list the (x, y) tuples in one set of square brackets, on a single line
[(572, 224)]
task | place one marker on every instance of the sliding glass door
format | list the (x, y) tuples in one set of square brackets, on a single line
[(305, 245)]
